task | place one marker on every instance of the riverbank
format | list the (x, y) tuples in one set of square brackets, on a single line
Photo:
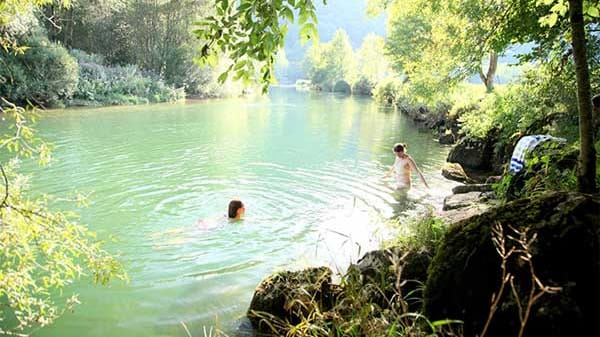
[(384, 291), (381, 293)]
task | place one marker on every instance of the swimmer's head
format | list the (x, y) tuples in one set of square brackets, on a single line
[(236, 209)]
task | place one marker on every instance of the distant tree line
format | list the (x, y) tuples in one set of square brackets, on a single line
[(334, 66)]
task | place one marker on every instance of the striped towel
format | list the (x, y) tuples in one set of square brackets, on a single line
[(525, 145)]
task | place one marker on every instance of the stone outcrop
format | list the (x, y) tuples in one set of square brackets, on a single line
[(461, 200), (472, 153), (286, 297), (384, 270), (466, 269), (379, 280), (455, 171), (472, 188)]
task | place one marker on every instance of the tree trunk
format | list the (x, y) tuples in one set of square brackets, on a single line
[(586, 173), (488, 78), (596, 114)]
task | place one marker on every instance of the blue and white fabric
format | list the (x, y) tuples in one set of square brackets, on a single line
[(526, 144)]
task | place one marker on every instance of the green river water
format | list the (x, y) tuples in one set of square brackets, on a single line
[(308, 166)]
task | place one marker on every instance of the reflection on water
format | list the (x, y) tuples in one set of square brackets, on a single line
[(307, 166)]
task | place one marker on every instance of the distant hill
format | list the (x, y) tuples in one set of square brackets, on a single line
[(349, 15)]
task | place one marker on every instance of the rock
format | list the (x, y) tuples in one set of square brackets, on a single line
[(473, 153), (465, 271), (446, 138), (455, 201), (454, 171), (455, 215), (493, 179), (384, 270), (472, 188), (288, 297)]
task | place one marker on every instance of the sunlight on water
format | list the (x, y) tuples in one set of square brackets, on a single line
[(309, 168)]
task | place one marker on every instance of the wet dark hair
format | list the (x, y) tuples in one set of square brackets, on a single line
[(234, 205), (399, 147)]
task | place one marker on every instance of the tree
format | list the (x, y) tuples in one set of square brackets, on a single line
[(586, 177), (248, 31), (152, 34), (484, 27), (42, 250), (372, 48), (438, 44), (328, 63)]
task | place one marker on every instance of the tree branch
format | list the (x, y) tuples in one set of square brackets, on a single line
[(4, 204)]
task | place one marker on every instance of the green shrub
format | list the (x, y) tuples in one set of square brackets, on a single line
[(116, 85), (543, 102), (550, 167), (342, 86), (388, 91), (362, 87), (45, 74), (418, 233)]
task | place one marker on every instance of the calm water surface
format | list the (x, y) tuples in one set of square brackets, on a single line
[(308, 167)]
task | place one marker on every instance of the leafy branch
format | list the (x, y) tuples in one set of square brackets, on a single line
[(251, 33)]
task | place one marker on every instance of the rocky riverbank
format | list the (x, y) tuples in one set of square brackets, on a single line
[(540, 255), (527, 267)]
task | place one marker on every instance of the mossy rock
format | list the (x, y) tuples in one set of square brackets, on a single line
[(285, 298), (466, 269), (394, 272)]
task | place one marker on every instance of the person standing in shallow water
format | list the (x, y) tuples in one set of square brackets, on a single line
[(403, 166)]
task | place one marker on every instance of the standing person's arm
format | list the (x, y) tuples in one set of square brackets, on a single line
[(414, 166), (391, 169)]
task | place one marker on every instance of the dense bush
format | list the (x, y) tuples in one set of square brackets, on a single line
[(362, 87), (45, 74), (544, 101), (388, 91), (111, 85), (342, 86)]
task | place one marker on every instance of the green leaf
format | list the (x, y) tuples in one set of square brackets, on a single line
[(560, 8), (549, 20), (288, 14), (239, 65), (244, 6), (211, 59), (303, 17), (308, 31), (223, 77), (592, 11)]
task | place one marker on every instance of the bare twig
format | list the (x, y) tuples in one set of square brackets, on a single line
[(522, 249), (4, 204), (538, 289), (499, 242)]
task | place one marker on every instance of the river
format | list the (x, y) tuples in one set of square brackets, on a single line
[(308, 167)]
